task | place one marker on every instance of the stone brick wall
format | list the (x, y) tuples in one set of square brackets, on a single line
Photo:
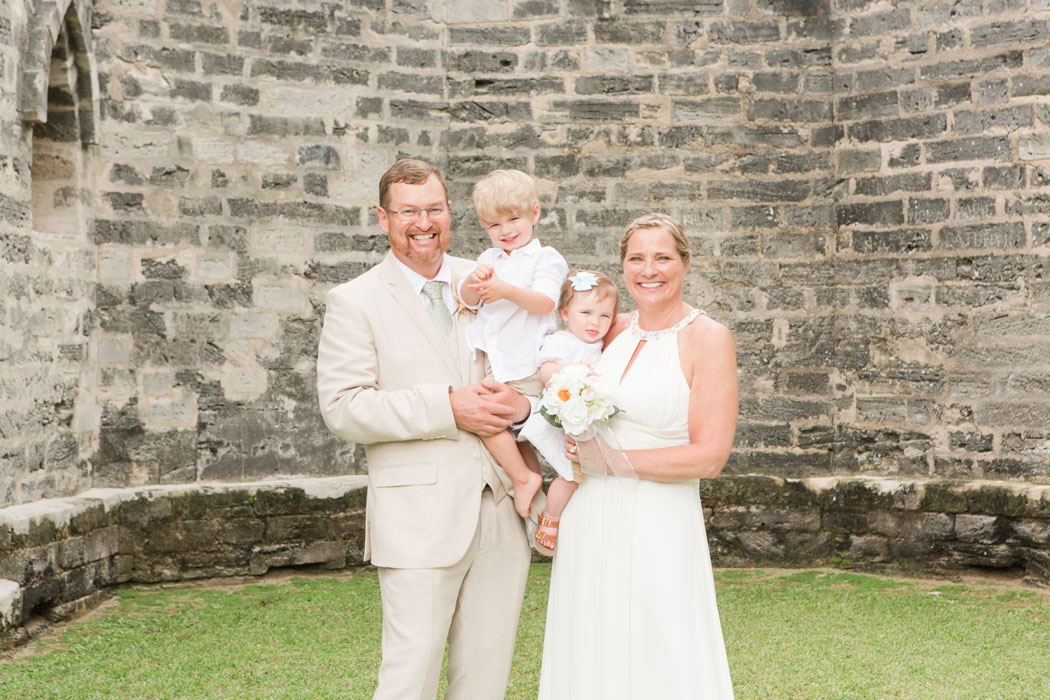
[(865, 185), (937, 278), (48, 401)]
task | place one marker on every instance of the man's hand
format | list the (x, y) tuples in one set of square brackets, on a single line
[(480, 411), (519, 405)]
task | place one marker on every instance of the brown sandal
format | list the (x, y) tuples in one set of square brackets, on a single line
[(546, 543)]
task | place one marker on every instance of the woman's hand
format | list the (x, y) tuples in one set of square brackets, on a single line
[(571, 449)]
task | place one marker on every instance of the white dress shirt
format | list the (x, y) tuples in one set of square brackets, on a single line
[(417, 281), (508, 333)]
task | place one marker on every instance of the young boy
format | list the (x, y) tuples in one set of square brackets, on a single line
[(517, 283)]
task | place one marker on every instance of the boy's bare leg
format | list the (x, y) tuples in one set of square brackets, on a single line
[(528, 453), (527, 482)]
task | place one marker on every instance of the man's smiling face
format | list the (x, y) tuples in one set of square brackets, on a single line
[(421, 242)]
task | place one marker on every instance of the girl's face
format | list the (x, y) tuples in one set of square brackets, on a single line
[(589, 316)]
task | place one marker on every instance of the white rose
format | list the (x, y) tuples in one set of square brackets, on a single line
[(551, 401), (574, 417)]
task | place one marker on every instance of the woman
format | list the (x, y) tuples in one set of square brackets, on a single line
[(632, 611)]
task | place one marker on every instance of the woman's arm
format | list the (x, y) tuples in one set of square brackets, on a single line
[(708, 357)]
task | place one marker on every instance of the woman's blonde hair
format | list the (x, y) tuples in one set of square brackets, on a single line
[(505, 192), (657, 220), (604, 287)]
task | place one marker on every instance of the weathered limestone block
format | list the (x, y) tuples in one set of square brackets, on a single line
[(868, 548), (331, 554), (1031, 531), (983, 529), (10, 605), (911, 526)]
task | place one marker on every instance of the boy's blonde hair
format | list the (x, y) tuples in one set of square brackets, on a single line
[(505, 192), (604, 288)]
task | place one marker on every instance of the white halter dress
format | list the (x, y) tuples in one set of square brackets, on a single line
[(632, 612)]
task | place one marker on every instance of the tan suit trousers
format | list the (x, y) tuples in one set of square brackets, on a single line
[(473, 604)]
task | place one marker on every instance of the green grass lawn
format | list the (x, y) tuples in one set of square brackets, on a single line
[(807, 634)]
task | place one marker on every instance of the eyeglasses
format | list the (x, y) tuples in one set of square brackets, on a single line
[(410, 214)]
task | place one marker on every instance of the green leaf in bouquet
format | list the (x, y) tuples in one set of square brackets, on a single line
[(550, 417)]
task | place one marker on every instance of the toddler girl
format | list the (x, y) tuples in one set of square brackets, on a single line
[(588, 306)]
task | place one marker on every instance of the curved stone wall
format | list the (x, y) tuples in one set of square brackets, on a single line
[(61, 556)]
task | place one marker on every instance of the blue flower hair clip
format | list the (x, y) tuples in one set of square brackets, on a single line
[(584, 281)]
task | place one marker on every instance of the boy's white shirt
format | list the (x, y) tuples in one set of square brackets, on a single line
[(508, 333)]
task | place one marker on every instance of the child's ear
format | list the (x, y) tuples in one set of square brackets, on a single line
[(564, 315), (535, 213)]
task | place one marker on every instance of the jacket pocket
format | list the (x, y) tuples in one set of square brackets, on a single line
[(405, 475)]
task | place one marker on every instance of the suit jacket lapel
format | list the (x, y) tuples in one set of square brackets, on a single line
[(413, 306)]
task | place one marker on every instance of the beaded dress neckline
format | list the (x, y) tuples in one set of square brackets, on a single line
[(654, 335)]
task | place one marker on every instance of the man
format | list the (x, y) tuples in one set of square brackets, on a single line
[(394, 373)]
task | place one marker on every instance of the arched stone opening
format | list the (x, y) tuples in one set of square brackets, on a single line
[(59, 100)]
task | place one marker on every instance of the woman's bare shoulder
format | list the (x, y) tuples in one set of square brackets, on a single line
[(705, 335)]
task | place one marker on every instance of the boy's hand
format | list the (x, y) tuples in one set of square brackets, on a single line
[(478, 274), (492, 289)]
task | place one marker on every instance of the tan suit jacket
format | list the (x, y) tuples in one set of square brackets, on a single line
[(384, 372)]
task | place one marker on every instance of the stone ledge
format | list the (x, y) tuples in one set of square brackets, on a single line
[(860, 521), (58, 556)]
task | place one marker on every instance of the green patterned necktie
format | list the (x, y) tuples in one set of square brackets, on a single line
[(436, 307)]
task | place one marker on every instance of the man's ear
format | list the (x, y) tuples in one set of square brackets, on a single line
[(384, 222)]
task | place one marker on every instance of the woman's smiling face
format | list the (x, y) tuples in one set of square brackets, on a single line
[(652, 269)]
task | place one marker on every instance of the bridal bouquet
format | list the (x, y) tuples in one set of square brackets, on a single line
[(575, 399)]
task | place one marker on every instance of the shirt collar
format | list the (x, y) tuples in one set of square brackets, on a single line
[(416, 280), (528, 250)]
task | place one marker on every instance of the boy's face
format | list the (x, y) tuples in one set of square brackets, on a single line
[(511, 231), (589, 316)]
